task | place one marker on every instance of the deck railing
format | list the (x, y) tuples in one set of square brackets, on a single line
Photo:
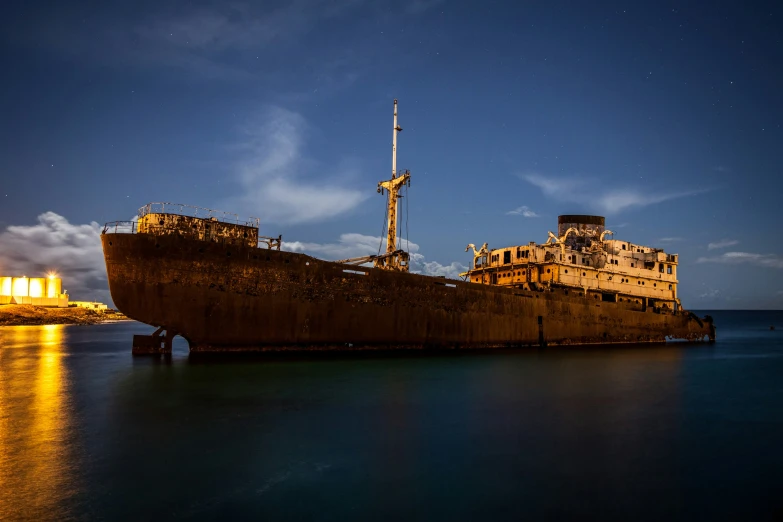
[(132, 227), (198, 212)]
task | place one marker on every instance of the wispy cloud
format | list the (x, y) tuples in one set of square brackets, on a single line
[(723, 243), (670, 239), (54, 244), (523, 211), (358, 245), (710, 294), (278, 182), (735, 258), (597, 196)]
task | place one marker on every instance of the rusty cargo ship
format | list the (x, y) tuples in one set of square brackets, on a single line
[(212, 279)]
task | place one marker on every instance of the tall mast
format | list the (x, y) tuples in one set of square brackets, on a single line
[(396, 262), (394, 142)]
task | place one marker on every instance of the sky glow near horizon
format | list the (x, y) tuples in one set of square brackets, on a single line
[(665, 120)]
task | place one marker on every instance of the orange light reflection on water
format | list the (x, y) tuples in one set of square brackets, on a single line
[(35, 422)]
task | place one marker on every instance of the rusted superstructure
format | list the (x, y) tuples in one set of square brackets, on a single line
[(211, 278), (581, 259)]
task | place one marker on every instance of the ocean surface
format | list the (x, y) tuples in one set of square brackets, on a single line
[(666, 432)]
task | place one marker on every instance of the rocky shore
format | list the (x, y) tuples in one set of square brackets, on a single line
[(16, 315)]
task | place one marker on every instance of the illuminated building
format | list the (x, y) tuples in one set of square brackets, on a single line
[(39, 291)]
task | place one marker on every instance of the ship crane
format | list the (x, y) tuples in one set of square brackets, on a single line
[(560, 240)]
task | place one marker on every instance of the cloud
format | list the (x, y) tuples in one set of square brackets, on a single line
[(670, 239), (432, 268), (710, 294), (273, 174), (236, 40), (735, 258), (358, 245), (348, 246), (597, 196), (723, 243), (523, 211), (73, 251)]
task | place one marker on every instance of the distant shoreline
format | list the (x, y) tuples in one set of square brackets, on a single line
[(30, 315)]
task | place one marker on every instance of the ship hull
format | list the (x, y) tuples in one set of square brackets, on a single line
[(232, 298)]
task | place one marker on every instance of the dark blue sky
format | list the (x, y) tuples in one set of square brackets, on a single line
[(663, 117)]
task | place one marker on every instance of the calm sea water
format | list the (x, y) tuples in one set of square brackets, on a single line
[(676, 432)]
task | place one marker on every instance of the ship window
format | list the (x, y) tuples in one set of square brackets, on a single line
[(655, 284), (668, 269), (623, 247), (506, 257), (631, 265), (584, 274), (566, 271), (670, 287), (660, 267), (642, 282), (547, 270)]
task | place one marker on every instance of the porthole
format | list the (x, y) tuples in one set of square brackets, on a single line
[(547, 270), (583, 274), (566, 271), (655, 284), (109, 243)]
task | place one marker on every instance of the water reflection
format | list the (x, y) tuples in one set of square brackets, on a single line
[(35, 422)]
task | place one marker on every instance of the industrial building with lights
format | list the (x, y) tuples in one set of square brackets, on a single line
[(39, 291)]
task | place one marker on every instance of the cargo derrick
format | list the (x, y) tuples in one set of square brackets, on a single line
[(395, 258), (582, 259)]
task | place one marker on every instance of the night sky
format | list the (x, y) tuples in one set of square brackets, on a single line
[(665, 118)]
